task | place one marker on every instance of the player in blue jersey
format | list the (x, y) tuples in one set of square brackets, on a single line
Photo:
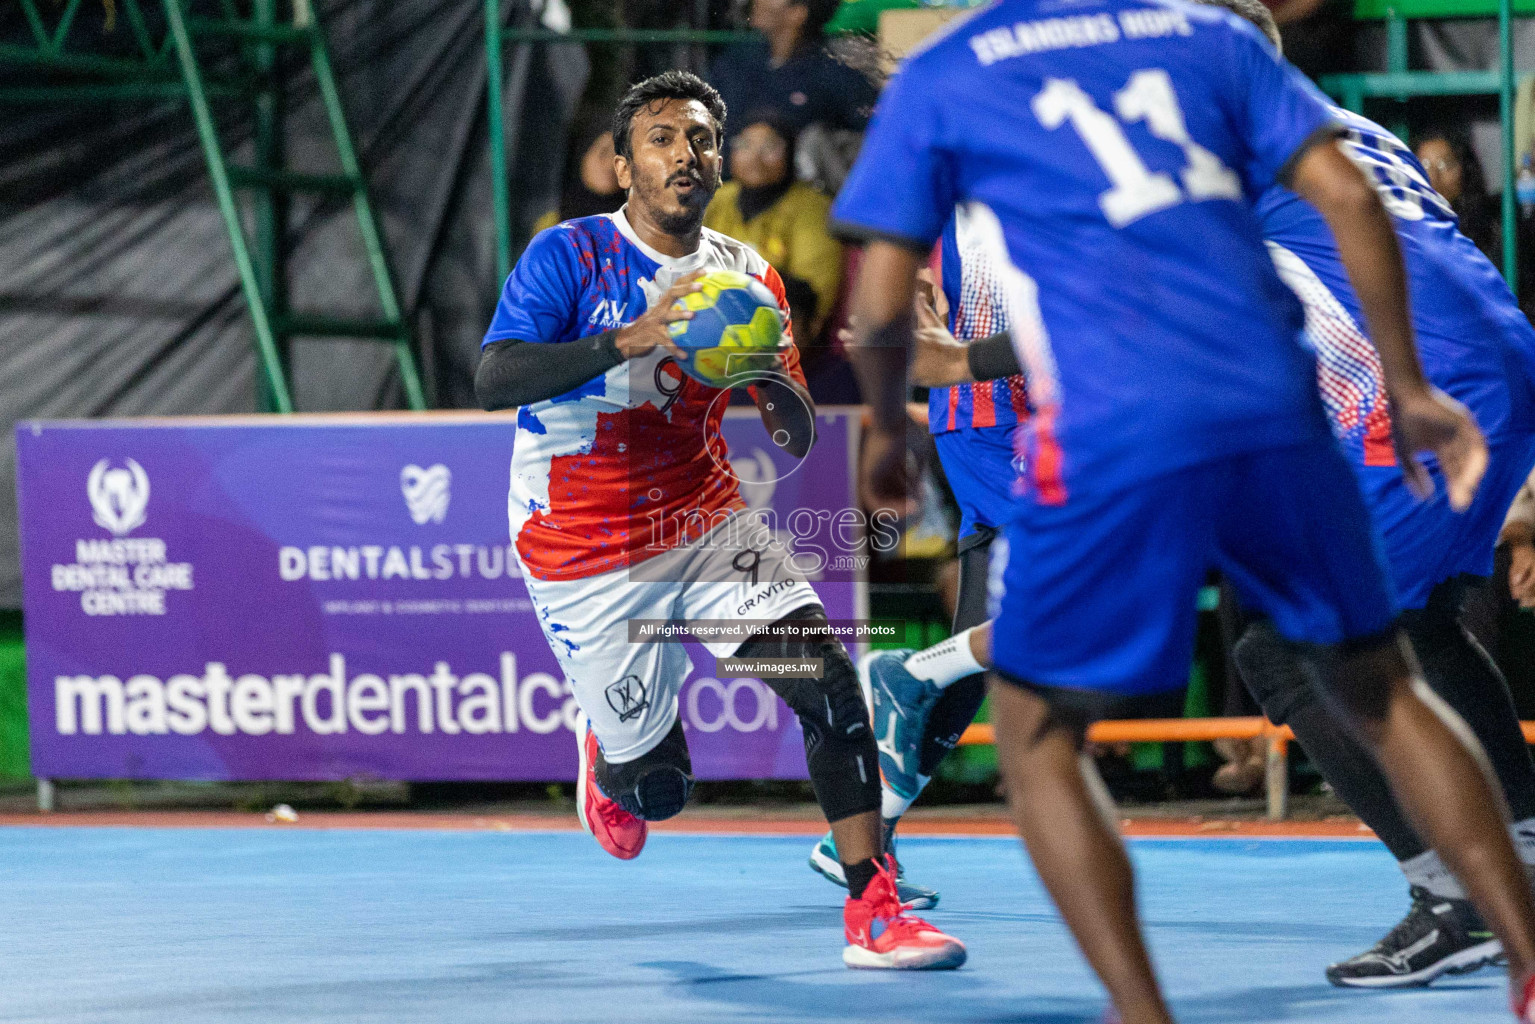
[(922, 701), (1478, 347), (1114, 149)]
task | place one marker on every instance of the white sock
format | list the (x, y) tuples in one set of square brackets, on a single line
[(1428, 872), (1523, 834), (892, 804), (946, 663)]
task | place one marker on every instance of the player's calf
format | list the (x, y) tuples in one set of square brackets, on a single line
[(839, 744), (1441, 780)]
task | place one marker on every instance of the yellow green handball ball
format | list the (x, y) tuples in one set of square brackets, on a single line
[(736, 334)]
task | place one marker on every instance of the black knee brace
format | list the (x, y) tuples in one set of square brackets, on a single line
[(1276, 673), (654, 786), (839, 745), (1273, 670), (1458, 669)]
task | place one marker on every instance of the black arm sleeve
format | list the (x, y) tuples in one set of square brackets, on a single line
[(993, 357), (514, 372)]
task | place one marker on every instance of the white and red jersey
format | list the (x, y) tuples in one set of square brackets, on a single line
[(631, 463)]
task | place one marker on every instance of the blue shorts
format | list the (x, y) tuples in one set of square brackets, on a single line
[(981, 467), (1427, 542), (1099, 593)]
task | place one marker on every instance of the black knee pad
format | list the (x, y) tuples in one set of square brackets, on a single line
[(839, 744), (1354, 678), (1274, 671), (654, 786)]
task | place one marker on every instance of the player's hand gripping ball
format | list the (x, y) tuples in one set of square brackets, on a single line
[(736, 334)]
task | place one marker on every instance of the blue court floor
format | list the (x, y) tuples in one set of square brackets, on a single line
[(171, 926)]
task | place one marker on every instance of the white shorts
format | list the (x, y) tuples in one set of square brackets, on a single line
[(629, 689)]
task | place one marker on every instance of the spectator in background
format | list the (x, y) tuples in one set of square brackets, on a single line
[(791, 72), (1455, 174), (591, 183), (783, 219)]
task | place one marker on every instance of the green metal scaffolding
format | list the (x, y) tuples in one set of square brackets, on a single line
[(173, 69), (1398, 84), (168, 67)]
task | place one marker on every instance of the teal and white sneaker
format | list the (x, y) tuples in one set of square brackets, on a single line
[(899, 704), (824, 862)]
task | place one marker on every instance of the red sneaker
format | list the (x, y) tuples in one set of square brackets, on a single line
[(880, 934), (615, 829), (1524, 1000)]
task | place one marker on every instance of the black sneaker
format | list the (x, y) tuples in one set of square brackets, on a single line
[(1438, 936)]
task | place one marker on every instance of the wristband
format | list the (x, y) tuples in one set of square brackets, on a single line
[(992, 357)]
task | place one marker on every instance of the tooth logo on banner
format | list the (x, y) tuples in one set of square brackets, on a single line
[(118, 496), (426, 492)]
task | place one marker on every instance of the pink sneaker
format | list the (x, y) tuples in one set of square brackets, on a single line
[(1524, 1000), (880, 934), (615, 829)]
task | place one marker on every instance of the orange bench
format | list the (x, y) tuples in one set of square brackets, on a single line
[(1196, 730)]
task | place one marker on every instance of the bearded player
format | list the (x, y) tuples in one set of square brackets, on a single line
[(622, 507)]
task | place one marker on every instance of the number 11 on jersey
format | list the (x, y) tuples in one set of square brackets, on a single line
[(1136, 189)]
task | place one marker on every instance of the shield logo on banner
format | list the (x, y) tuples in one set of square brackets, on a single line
[(627, 697), (426, 492), (118, 496)]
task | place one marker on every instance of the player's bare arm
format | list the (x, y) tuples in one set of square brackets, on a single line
[(882, 312), (938, 359), (1423, 418)]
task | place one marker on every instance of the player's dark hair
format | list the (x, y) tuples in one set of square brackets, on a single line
[(1253, 11), (655, 91)]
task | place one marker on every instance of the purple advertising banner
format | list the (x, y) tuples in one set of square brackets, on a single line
[(329, 597)]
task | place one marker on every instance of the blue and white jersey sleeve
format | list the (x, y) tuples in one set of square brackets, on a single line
[(1278, 111), (902, 187), (542, 294)]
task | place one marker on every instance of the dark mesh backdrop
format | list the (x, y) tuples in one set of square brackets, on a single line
[(118, 292)]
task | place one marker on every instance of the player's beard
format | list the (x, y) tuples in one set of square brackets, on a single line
[(683, 220)]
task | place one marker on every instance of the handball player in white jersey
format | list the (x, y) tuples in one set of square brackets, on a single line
[(623, 507)]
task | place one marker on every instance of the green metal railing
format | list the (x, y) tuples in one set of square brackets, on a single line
[(1399, 84), (172, 69), (1352, 90)]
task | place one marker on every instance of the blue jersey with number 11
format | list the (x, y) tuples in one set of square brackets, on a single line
[(1110, 152)]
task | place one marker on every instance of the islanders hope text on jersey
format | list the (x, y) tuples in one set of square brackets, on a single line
[(1114, 184)]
